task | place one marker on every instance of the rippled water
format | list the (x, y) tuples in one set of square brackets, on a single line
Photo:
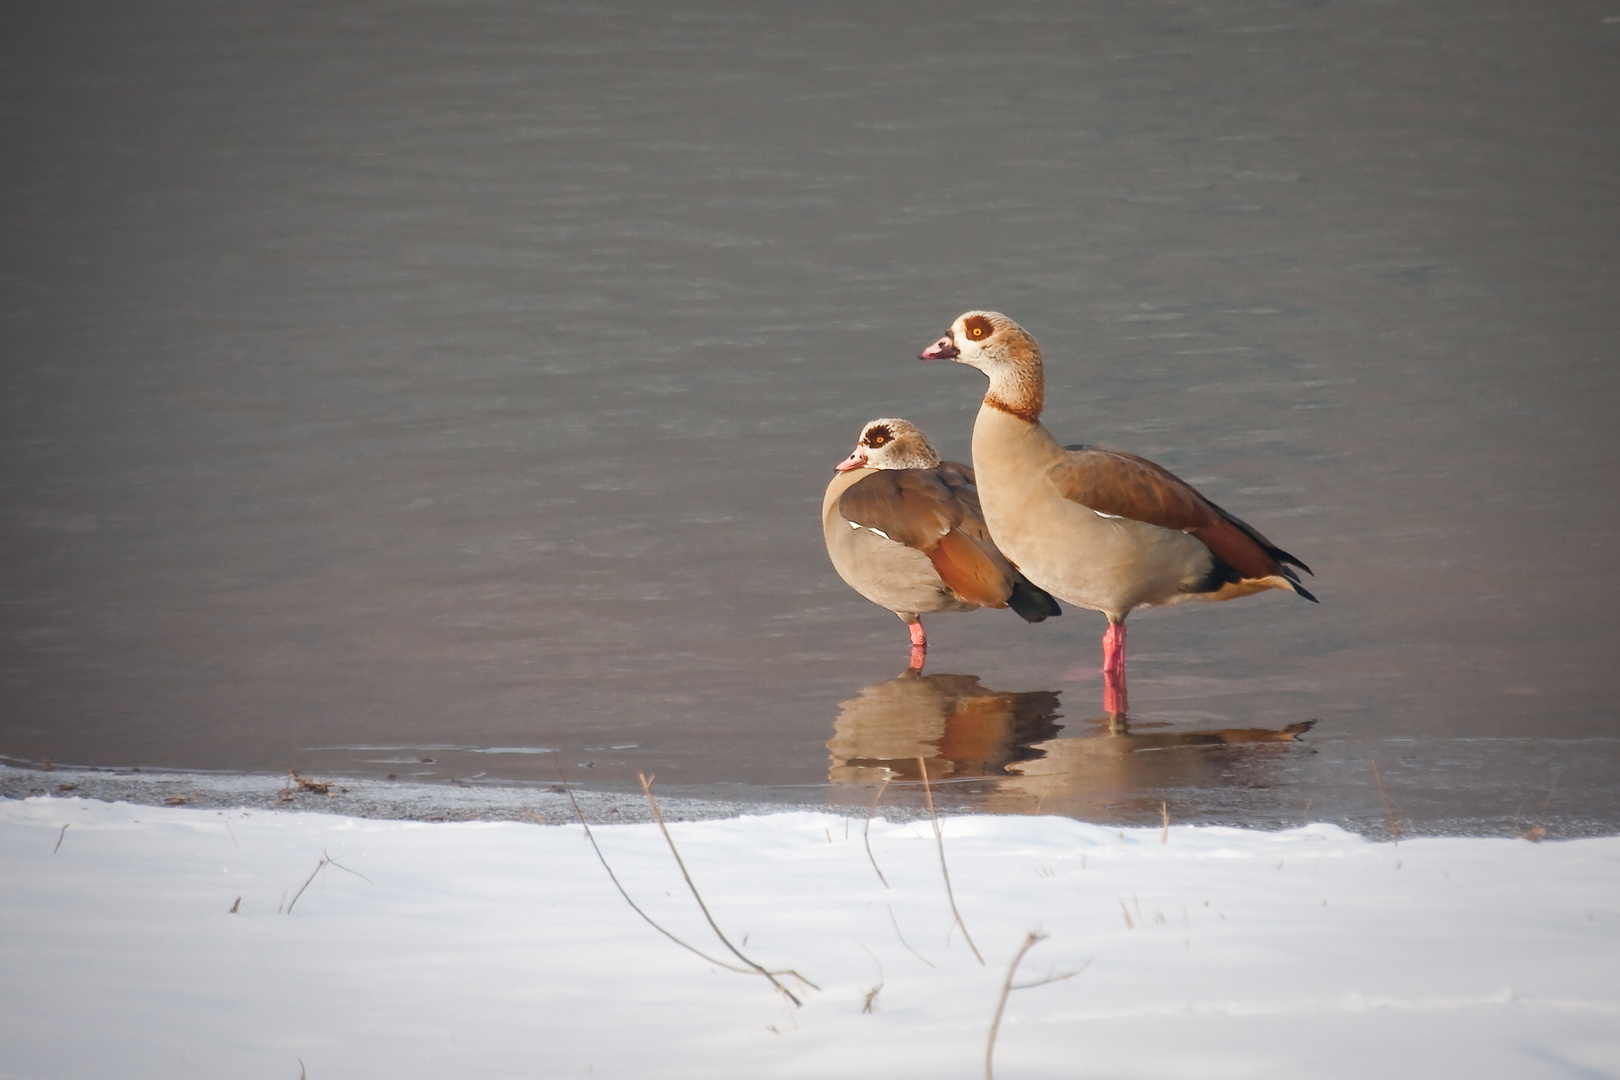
[(414, 388)]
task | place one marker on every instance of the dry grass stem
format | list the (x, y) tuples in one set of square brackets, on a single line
[(906, 943), (1164, 812), (866, 834), (326, 860), (939, 839), (658, 815), (578, 813), (1030, 941), (1391, 818), (59, 838), (1125, 911), (869, 1004), (1033, 938)]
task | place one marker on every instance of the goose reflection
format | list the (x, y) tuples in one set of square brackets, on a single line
[(965, 731), (1114, 771), (960, 728)]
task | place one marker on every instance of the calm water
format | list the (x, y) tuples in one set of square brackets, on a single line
[(450, 381)]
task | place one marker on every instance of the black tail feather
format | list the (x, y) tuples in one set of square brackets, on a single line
[(1283, 557), (1031, 603), (1293, 578)]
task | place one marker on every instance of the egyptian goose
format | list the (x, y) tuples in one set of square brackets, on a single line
[(1099, 528), (904, 530)]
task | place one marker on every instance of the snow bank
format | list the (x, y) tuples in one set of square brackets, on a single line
[(503, 950)]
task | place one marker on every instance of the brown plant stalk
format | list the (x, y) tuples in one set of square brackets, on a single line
[(939, 839), (866, 833), (658, 815), (578, 813)]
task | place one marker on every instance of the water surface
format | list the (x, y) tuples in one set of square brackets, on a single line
[(390, 382)]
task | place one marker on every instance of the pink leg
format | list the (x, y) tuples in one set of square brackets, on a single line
[(919, 645), (1114, 669), (1114, 648)]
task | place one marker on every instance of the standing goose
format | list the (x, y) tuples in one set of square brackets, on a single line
[(1099, 528), (904, 530)]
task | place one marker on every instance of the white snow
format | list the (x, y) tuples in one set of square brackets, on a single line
[(503, 950)]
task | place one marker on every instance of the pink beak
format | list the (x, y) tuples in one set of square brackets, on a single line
[(856, 460), (943, 349)]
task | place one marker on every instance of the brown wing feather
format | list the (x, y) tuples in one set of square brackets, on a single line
[(1124, 485), (914, 507), (1127, 486), (937, 512)]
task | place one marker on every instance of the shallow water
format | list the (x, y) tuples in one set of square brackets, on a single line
[(386, 383)]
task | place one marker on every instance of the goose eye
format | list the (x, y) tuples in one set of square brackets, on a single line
[(877, 437), (978, 328)]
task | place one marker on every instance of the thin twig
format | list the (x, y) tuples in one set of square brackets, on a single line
[(1391, 818), (1052, 978), (63, 834), (326, 860), (867, 832), (1164, 812), (658, 815), (1033, 938), (318, 867), (939, 839), (870, 1004), (906, 943), (615, 879)]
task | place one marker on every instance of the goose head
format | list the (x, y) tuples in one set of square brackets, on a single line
[(890, 443)]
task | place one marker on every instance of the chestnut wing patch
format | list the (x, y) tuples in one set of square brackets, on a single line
[(970, 572), (937, 512), (1123, 485)]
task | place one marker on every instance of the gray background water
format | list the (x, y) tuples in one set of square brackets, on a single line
[(465, 377)]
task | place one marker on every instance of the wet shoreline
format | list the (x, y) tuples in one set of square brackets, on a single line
[(549, 804)]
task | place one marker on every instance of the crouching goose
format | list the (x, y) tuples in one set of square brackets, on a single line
[(1099, 528), (904, 530)]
